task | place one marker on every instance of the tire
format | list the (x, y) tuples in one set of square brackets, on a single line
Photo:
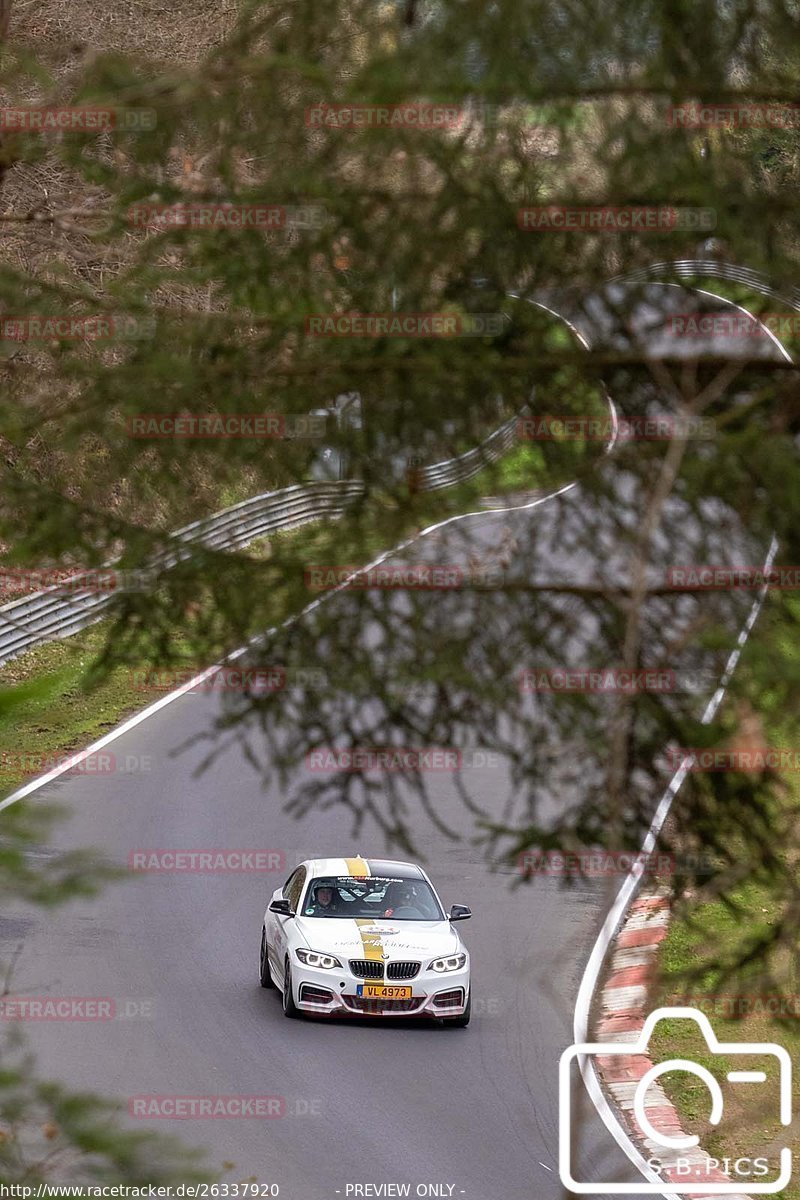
[(462, 1021), (264, 972), (290, 1009)]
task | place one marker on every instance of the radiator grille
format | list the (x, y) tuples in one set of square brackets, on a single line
[(365, 968), (402, 970)]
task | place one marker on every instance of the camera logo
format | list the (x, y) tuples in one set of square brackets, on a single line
[(682, 1169)]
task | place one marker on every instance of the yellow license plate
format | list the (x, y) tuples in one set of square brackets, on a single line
[(379, 991)]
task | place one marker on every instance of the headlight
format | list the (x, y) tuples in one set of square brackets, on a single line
[(312, 958), (454, 963)]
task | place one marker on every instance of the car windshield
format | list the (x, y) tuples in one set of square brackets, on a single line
[(391, 899)]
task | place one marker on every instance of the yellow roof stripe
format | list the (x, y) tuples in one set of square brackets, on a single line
[(357, 867)]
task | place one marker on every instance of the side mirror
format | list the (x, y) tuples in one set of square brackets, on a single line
[(282, 907), (460, 912)]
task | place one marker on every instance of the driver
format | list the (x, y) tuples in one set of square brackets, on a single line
[(326, 899)]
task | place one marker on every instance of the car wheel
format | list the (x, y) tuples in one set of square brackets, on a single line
[(290, 1009), (264, 972), (462, 1021)]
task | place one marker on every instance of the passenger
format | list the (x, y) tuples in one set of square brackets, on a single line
[(401, 901)]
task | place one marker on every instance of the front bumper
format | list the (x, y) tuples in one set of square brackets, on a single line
[(334, 993)]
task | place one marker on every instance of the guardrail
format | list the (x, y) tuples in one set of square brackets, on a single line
[(66, 608), (457, 470), (690, 268)]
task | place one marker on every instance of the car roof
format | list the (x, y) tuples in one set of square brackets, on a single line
[(383, 868)]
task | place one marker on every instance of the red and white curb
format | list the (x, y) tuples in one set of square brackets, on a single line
[(624, 1008)]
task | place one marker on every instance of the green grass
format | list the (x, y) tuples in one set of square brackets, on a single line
[(739, 1012), (52, 713), (521, 468)]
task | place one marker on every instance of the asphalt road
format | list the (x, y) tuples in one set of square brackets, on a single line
[(474, 1112)]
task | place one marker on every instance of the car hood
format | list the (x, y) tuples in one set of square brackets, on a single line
[(395, 939)]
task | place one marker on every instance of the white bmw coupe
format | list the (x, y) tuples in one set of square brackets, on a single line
[(365, 937)]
